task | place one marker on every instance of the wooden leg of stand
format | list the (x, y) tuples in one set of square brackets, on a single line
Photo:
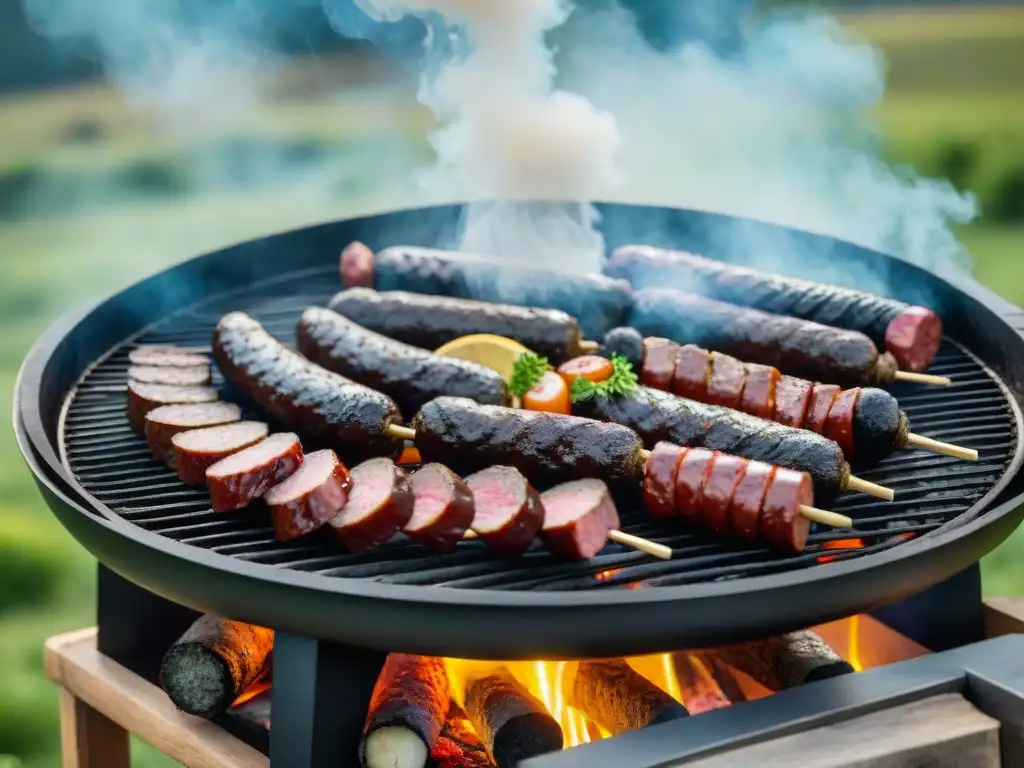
[(89, 739)]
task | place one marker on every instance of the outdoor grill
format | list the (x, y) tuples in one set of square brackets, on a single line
[(165, 555)]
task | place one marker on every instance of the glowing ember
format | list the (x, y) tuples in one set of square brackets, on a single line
[(251, 692), (839, 544)]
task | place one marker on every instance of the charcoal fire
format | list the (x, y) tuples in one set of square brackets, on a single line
[(785, 661), (699, 690), (511, 722), (408, 709), (619, 699), (213, 663)]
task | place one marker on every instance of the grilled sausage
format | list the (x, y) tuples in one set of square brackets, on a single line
[(658, 416), (509, 512), (748, 499), (309, 498), (379, 505), (429, 322), (792, 400), (578, 517), (239, 479), (166, 357), (548, 448), (780, 524), (191, 376), (839, 424), (143, 398), (879, 426), (759, 389), (408, 375), (692, 373), (443, 508), (797, 347), (163, 423), (823, 396), (718, 491), (660, 480), (911, 334), (625, 342), (725, 387), (598, 303), (197, 450), (659, 365), (690, 481), (321, 406)]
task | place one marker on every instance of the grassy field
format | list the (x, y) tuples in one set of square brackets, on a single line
[(955, 77)]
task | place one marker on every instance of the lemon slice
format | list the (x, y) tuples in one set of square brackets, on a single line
[(497, 352)]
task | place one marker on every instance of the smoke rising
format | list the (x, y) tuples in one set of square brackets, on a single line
[(712, 107)]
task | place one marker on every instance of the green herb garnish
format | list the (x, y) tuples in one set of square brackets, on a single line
[(621, 382), (528, 370)]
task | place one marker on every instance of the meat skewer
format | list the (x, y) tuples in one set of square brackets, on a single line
[(912, 334), (864, 421), (429, 322), (597, 302), (409, 375), (619, 699), (408, 709), (213, 663), (797, 347)]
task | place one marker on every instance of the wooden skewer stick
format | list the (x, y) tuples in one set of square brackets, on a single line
[(923, 378), (651, 548), (937, 446), (823, 516), (401, 433), (871, 489)]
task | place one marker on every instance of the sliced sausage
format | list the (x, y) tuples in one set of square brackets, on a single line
[(839, 426), (191, 376), (443, 508), (660, 480), (143, 398), (309, 498), (728, 376), (578, 516), (781, 525), (243, 477), (509, 512), (659, 363), (167, 357), (379, 505), (823, 397), (792, 399), (745, 508), (693, 370), (759, 390), (357, 266), (199, 449), (163, 423), (913, 337), (726, 473), (690, 481)]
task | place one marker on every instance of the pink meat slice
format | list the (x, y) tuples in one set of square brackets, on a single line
[(143, 398), (443, 509), (578, 517), (163, 423), (311, 497), (168, 357), (380, 503), (191, 376), (509, 512), (241, 478), (196, 450)]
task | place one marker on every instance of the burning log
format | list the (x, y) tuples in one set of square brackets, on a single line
[(458, 745), (210, 665), (619, 699), (408, 709), (699, 690), (723, 676), (512, 724), (785, 661)]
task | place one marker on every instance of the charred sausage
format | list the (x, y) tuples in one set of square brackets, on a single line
[(509, 512), (197, 450), (578, 518), (321, 406), (443, 508), (548, 448), (409, 375), (241, 478), (597, 302), (310, 498), (379, 505), (797, 347), (429, 322), (911, 334)]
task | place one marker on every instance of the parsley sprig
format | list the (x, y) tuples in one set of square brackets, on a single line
[(622, 381), (528, 370)]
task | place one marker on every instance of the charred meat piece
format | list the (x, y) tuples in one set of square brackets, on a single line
[(443, 509), (792, 400), (143, 398), (197, 450), (619, 699), (163, 423), (213, 663), (192, 376), (429, 322), (660, 480), (578, 517), (321, 406), (241, 478), (726, 474), (759, 391), (692, 374), (509, 512), (380, 503), (309, 498), (728, 378), (408, 375), (408, 709), (797, 347), (839, 425), (912, 334), (625, 342), (690, 481), (879, 426), (659, 416), (167, 357), (823, 396), (548, 448), (598, 303), (659, 363), (748, 499), (780, 524)]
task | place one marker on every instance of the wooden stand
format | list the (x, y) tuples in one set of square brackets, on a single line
[(102, 702)]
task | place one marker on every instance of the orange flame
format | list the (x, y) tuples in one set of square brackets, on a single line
[(839, 544), (251, 692)]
